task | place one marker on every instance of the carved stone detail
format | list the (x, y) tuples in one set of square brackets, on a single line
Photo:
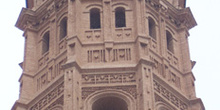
[(123, 33), (144, 48), (44, 78), (57, 105), (164, 72), (173, 59), (157, 6), (55, 93), (93, 35), (43, 60), (169, 96), (62, 45), (121, 54), (108, 78), (54, 7), (96, 56), (174, 79), (86, 91)]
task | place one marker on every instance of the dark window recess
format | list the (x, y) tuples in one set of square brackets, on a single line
[(63, 28), (120, 17), (95, 19), (169, 38), (46, 42), (152, 28)]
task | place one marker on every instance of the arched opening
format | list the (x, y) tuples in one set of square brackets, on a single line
[(152, 28), (169, 39), (95, 22), (110, 103), (46, 42), (63, 28), (57, 108), (163, 108), (120, 20)]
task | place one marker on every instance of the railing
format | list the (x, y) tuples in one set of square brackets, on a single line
[(93, 35), (123, 33)]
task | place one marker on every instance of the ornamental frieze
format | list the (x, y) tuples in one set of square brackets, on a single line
[(110, 78), (166, 94), (131, 89), (50, 97)]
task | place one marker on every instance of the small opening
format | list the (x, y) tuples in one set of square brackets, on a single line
[(169, 41), (63, 28), (110, 103), (95, 22), (46, 41), (120, 17), (152, 28)]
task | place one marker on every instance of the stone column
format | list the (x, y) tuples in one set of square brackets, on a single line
[(162, 38), (139, 15), (29, 65), (72, 91), (145, 87), (107, 28)]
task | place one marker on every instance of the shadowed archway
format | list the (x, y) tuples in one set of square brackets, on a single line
[(110, 103)]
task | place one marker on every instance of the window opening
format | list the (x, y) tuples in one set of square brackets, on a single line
[(152, 28), (63, 28), (120, 17), (95, 22), (46, 41), (169, 41)]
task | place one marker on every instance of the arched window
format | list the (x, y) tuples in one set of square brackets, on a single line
[(152, 28), (169, 39), (46, 42), (95, 22), (120, 20), (63, 28), (110, 103)]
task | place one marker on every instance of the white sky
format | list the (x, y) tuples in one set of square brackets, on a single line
[(204, 47)]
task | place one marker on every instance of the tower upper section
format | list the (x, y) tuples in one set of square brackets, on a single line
[(37, 3), (81, 53)]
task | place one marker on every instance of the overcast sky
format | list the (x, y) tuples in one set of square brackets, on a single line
[(204, 47)]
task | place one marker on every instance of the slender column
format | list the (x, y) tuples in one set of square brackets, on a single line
[(71, 88), (139, 14), (107, 28), (145, 88)]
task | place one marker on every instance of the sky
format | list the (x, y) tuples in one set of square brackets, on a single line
[(204, 43)]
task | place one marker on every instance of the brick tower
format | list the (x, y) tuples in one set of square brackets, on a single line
[(106, 55)]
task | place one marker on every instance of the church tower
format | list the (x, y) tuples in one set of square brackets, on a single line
[(106, 55)]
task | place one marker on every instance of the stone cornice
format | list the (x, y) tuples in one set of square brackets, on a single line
[(26, 15), (178, 17), (19, 104), (198, 101), (32, 19)]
